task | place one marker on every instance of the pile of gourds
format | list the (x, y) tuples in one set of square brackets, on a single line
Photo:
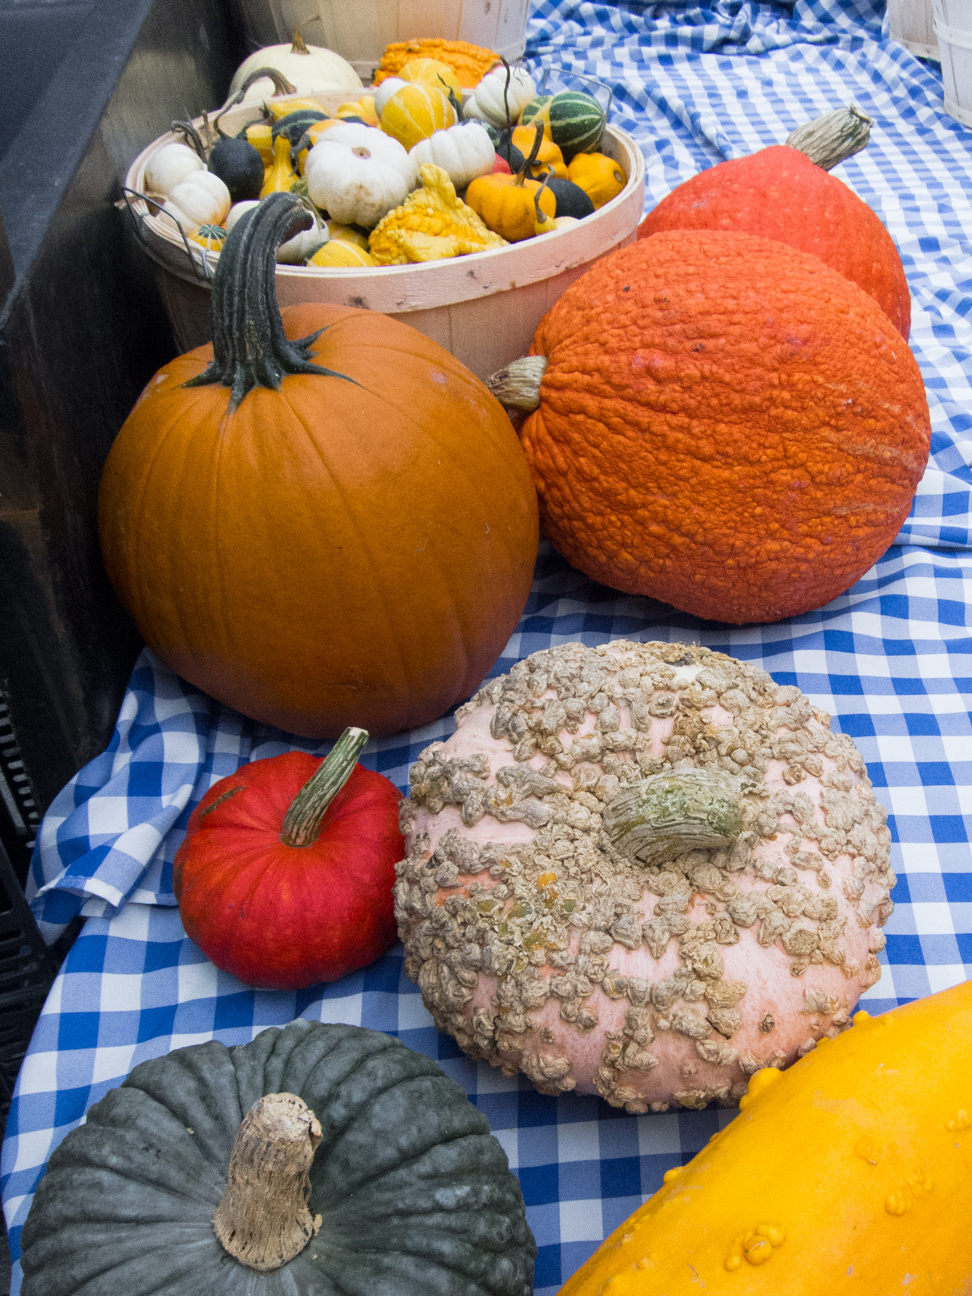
[(407, 173)]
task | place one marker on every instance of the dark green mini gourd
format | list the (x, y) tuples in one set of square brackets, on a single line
[(571, 198), (409, 1193), (239, 166)]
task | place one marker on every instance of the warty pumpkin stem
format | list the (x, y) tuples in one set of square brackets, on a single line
[(263, 1219), (517, 387), (671, 813), (250, 347), (302, 822), (834, 137)]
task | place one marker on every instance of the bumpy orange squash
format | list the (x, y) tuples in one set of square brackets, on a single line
[(725, 424), (330, 519), (783, 193), (851, 1173)]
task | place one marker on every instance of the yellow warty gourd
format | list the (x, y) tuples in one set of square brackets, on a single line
[(848, 1175), (432, 224)]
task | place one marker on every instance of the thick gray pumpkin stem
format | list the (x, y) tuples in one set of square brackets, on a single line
[(668, 814), (834, 137), (263, 1219), (302, 822), (517, 386)]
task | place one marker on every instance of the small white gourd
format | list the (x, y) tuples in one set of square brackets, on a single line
[(492, 101), (239, 209), (464, 151), (358, 173), (169, 166), (296, 250), (310, 68), (203, 197)]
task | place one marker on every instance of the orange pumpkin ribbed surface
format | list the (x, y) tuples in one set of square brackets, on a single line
[(346, 534), (779, 193), (725, 424)]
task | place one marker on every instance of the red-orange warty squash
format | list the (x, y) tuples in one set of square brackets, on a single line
[(782, 193), (723, 423), (326, 522), (285, 876)]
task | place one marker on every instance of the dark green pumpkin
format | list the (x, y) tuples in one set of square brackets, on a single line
[(415, 1194), (296, 123), (571, 198)]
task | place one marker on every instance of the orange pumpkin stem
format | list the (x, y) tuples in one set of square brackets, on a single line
[(302, 822), (250, 347)]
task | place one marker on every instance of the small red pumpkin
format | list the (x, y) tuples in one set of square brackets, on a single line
[(286, 873)]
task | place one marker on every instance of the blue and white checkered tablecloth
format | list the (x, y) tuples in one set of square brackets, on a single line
[(891, 659)]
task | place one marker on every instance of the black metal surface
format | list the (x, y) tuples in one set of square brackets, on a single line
[(81, 331)]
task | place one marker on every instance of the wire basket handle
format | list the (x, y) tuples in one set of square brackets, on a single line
[(195, 252), (565, 73)]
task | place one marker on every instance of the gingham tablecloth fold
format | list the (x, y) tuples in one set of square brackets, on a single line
[(891, 659)]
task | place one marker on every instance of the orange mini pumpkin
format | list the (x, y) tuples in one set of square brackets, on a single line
[(330, 521), (724, 423)]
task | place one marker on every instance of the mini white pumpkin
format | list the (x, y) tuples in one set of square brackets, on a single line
[(310, 68), (357, 173), (491, 98), (240, 209), (464, 151), (296, 250), (169, 166), (203, 197)]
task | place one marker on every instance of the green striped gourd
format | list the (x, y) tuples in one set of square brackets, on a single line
[(575, 121)]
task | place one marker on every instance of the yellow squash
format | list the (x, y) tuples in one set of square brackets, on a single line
[(433, 72), (549, 159), (848, 1175), (416, 112), (338, 253), (279, 176), (599, 176)]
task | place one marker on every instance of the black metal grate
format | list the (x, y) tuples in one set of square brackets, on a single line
[(26, 974)]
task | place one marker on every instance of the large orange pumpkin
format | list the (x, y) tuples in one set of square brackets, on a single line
[(782, 193), (340, 529), (725, 424)]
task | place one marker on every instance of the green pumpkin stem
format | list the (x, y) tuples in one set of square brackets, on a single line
[(302, 822), (528, 162), (250, 347)]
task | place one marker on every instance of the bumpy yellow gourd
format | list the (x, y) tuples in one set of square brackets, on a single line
[(416, 112), (849, 1173)]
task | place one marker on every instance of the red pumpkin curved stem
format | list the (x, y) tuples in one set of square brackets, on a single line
[(302, 822)]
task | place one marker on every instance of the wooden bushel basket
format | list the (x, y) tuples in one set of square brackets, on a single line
[(359, 30), (484, 307)]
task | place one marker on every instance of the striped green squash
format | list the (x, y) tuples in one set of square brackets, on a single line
[(574, 121)]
